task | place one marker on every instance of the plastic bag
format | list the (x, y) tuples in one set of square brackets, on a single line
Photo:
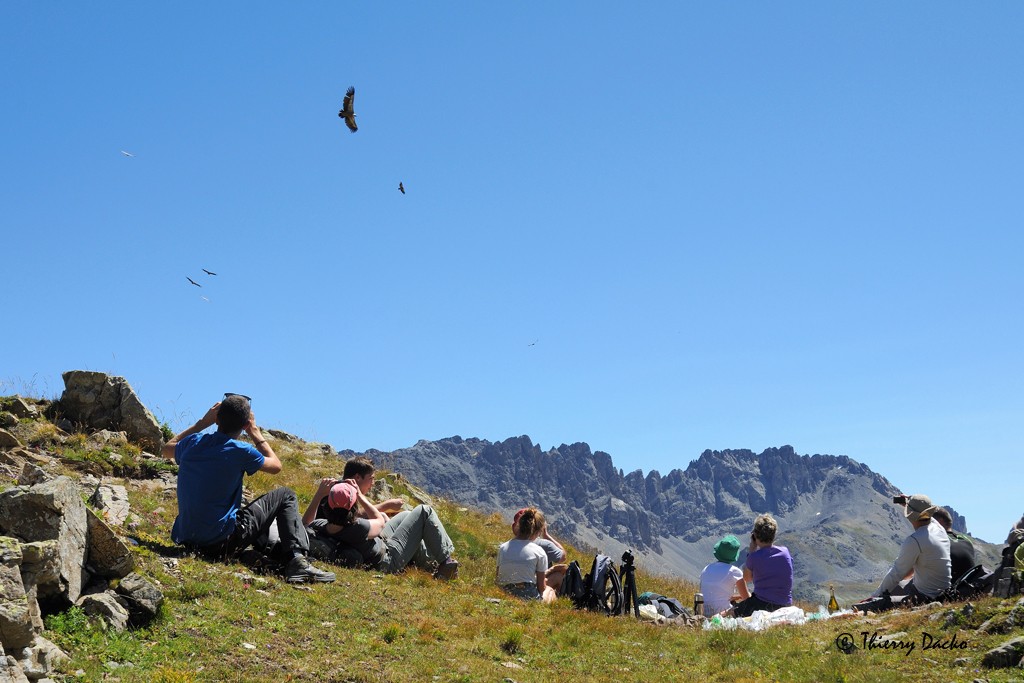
[(650, 613)]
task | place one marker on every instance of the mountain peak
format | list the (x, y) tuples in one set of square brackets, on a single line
[(826, 504)]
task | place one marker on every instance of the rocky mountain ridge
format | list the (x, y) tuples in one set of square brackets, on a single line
[(835, 514)]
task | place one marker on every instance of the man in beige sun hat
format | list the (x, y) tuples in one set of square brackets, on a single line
[(922, 566)]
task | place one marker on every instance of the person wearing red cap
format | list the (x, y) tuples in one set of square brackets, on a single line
[(363, 472), (415, 537)]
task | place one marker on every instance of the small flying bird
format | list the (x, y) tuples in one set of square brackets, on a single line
[(209, 272), (401, 187), (533, 343), (193, 281), (347, 112), (127, 154)]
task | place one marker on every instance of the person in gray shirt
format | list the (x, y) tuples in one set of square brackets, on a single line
[(923, 564)]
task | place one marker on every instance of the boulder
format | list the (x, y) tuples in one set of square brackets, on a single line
[(111, 501), (16, 625), (101, 401), (8, 440), (20, 409), (10, 672), (51, 511), (40, 562), (105, 438), (1006, 655), (40, 658), (30, 455), (32, 474), (106, 607), (7, 420), (107, 555), (283, 436), (140, 597)]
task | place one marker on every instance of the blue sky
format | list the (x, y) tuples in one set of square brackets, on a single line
[(720, 225)]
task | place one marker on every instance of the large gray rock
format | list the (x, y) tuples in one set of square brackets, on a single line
[(105, 438), (101, 401), (111, 500), (106, 607), (141, 597), (1006, 655), (32, 474), (107, 554), (10, 672), (18, 406), (16, 627), (40, 658), (8, 440), (51, 511)]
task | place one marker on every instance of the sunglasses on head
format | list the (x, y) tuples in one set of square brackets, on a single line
[(229, 395)]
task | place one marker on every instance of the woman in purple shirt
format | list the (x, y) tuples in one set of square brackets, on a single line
[(770, 567)]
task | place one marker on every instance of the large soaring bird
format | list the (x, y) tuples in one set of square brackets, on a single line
[(347, 112)]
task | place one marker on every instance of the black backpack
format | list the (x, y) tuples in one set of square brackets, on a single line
[(572, 584), (603, 590), (974, 581)]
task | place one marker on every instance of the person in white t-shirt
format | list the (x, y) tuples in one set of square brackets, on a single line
[(720, 580), (522, 563), (552, 548)]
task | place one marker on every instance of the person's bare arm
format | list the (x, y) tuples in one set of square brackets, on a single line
[(321, 492), (271, 463), (391, 507), (376, 518), (751, 549), (205, 421), (557, 544), (741, 588)]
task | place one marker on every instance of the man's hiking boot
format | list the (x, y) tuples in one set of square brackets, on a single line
[(299, 570), (448, 570)]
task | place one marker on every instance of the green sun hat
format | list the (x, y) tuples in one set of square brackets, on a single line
[(728, 549)]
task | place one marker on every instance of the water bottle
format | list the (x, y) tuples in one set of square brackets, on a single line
[(698, 604)]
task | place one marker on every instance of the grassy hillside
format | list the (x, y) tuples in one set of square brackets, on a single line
[(222, 623)]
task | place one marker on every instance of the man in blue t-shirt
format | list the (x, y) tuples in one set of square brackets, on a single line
[(211, 518)]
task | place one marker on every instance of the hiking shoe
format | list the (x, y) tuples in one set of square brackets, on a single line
[(448, 570), (299, 570)]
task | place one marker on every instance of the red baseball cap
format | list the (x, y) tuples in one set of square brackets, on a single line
[(342, 496)]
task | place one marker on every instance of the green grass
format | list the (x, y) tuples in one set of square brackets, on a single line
[(365, 627)]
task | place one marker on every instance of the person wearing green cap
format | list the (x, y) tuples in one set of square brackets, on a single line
[(721, 580)]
